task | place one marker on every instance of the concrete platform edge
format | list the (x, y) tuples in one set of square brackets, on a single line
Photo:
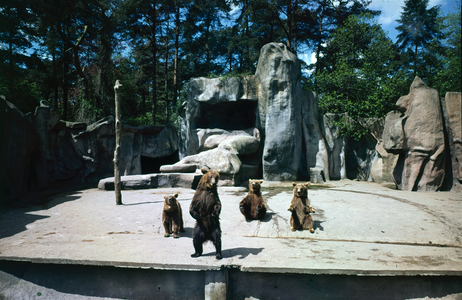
[(192, 268)]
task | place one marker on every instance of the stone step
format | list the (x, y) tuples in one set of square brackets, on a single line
[(152, 181)]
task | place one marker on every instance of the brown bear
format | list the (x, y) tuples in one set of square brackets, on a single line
[(253, 206), (172, 216), (205, 208), (300, 208)]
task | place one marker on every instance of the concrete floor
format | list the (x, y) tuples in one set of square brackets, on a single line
[(370, 241)]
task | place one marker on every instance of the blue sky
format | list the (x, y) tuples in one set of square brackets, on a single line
[(391, 11)]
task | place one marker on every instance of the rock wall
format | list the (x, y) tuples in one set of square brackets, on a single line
[(39, 149), (20, 150), (296, 142), (418, 137), (452, 109)]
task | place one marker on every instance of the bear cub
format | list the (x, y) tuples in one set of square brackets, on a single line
[(172, 216), (205, 208), (300, 208), (253, 206)]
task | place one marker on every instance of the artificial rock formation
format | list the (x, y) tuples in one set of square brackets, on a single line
[(19, 149), (417, 135), (39, 149), (279, 111), (271, 103), (453, 116), (230, 152)]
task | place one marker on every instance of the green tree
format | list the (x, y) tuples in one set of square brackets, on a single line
[(448, 77), (17, 24), (361, 78), (328, 16), (202, 44), (417, 29)]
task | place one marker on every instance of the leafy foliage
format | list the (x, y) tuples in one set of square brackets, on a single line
[(360, 77), (71, 52)]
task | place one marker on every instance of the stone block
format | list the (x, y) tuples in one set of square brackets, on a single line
[(179, 168), (317, 175)]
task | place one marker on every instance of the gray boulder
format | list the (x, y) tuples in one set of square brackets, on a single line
[(279, 112), (418, 137), (224, 157)]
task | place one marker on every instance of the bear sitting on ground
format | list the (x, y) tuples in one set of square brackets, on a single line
[(205, 208), (172, 216), (253, 206), (300, 208)]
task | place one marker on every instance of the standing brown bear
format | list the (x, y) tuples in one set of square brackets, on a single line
[(172, 216), (300, 208), (205, 208), (253, 206)]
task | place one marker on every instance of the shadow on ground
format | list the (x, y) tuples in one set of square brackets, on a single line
[(15, 218), (242, 252)]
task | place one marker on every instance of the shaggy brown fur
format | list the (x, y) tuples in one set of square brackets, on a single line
[(172, 216), (205, 208), (300, 208), (253, 206)]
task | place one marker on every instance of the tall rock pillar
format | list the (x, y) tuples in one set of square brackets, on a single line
[(279, 112)]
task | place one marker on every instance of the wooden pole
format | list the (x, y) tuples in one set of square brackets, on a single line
[(118, 132)]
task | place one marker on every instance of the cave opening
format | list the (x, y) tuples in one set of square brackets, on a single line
[(235, 115), (151, 165)]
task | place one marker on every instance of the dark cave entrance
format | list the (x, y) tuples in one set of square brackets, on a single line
[(236, 115), (151, 165)]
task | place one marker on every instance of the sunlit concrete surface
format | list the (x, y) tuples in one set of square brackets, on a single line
[(366, 234)]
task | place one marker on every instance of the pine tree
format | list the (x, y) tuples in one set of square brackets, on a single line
[(16, 33), (418, 27)]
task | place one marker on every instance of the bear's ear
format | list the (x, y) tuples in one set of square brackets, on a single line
[(204, 171), (294, 184), (176, 195), (307, 184), (165, 197), (261, 181)]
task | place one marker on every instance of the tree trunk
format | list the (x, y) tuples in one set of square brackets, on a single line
[(118, 133), (175, 63), (65, 82), (55, 80), (143, 100), (318, 50), (167, 101), (295, 11), (10, 59), (154, 63), (289, 25)]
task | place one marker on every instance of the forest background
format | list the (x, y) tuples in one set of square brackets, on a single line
[(71, 52)]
